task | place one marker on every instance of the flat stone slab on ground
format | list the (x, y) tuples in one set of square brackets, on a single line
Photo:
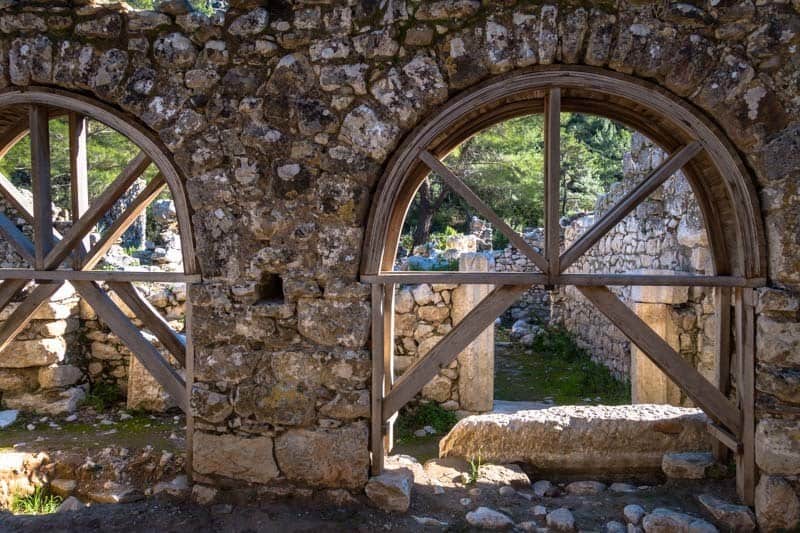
[(486, 518), (578, 439), (737, 518), (687, 465), (667, 521)]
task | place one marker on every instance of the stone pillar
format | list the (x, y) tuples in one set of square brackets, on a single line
[(652, 305), (476, 362)]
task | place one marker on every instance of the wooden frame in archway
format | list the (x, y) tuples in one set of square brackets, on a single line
[(720, 183), (55, 259)]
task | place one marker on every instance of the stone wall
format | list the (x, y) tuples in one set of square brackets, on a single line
[(534, 305), (281, 117)]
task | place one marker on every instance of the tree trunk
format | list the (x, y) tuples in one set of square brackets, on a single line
[(425, 212)]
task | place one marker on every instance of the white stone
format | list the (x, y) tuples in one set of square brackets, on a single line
[(733, 517), (687, 465), (486, 518), (8, 417), (667, 521), (634, 513), (778, 446), (391, 491), (39, 352), (561, 520), (423, 294)]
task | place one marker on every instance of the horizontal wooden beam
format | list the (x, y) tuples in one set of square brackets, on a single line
[(725, 437), (474, 278), (447, 349), (97, 275), (141, 348), (152, 319), (588, 280), (463, 190), (699, 389)]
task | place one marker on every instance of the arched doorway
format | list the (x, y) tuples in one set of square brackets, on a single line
[(720, 184), (54, 259)]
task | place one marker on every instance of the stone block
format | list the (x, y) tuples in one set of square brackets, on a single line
[(144, 392), (54, 402), (334, 322), (778, 446), (391, 491), (335, 458), (59, 376), (39, 352), (687, 465), (777, 504), (234, 457), (778, 341)]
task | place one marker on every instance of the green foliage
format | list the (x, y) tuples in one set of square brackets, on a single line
[(104, 395), (449, 265), (39, 502), (504, 165), (203, 6), (426, 414), (475, 465), (556, 367), (439, 239)]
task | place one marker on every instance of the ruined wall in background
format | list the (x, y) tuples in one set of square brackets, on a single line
[(282, 116)]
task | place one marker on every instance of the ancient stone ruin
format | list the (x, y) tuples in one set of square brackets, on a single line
[(292, 135)]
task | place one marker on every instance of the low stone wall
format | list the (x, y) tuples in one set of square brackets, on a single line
[(535, 303), (424, 314)]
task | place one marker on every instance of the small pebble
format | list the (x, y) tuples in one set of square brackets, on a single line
[(507, 491), (420, 433), (71, 418), (30, 427), (539, 511), (475, 492), (465, 502)]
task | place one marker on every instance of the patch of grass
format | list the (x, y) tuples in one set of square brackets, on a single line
[(39, 502), (474, 470), (556, 367), (103, 395), (427, 414)]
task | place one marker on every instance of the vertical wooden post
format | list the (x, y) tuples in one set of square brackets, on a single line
[(722, 306), (552, 166), (40, 176), (79, 171), (189, 376), (378, 353), (745, 352), (388, 359)]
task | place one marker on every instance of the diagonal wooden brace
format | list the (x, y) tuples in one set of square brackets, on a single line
[(23, 314)]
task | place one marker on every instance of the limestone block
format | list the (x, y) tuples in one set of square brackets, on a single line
[(54, 402), (39, 352), (423, 294), (404, 301), (433, 313), (334, 322), (437, 389), (687, 465), (476, 362), (778, 446), (778, 341), (777, 504), (234, 456), (391, 491), (59, 376), (336, 458), (574, 439), (144, 392)]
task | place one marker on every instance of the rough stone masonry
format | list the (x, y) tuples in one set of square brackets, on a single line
[(281, 115)]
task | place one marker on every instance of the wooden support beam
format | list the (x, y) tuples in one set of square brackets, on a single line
[(79, 169), (152, 319), (97, 275), (552, 178), (97, 209), (388, 360), (22, 245), (474, 278), (40, 177), (377, 393), (452, 344), (124, 221), (13, 196), (724, 438), (627, 203), (23, 314), (722, 347), (148, 355), (746, 472), (645, 280), (9, 289), (461, 188), (703, 393)]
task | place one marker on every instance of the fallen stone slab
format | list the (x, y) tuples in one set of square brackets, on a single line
[(580, 439), (687, 465), (734, 517), (585, 488)]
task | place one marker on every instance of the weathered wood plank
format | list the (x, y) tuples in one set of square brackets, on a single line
[(552, 178), (9, 289), (703, 393), (745, 350), (388, 360), (23, 314), (680, 280), (13, 196), (628, 203), (97, 275), (377, 392), (22, 245), (724, 438), (152, 319), (79, 170), (452, 344), (124, 221), (40, 178), (722, 347), (98, 208), (475, 278), (148, 355), (461, 188)]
